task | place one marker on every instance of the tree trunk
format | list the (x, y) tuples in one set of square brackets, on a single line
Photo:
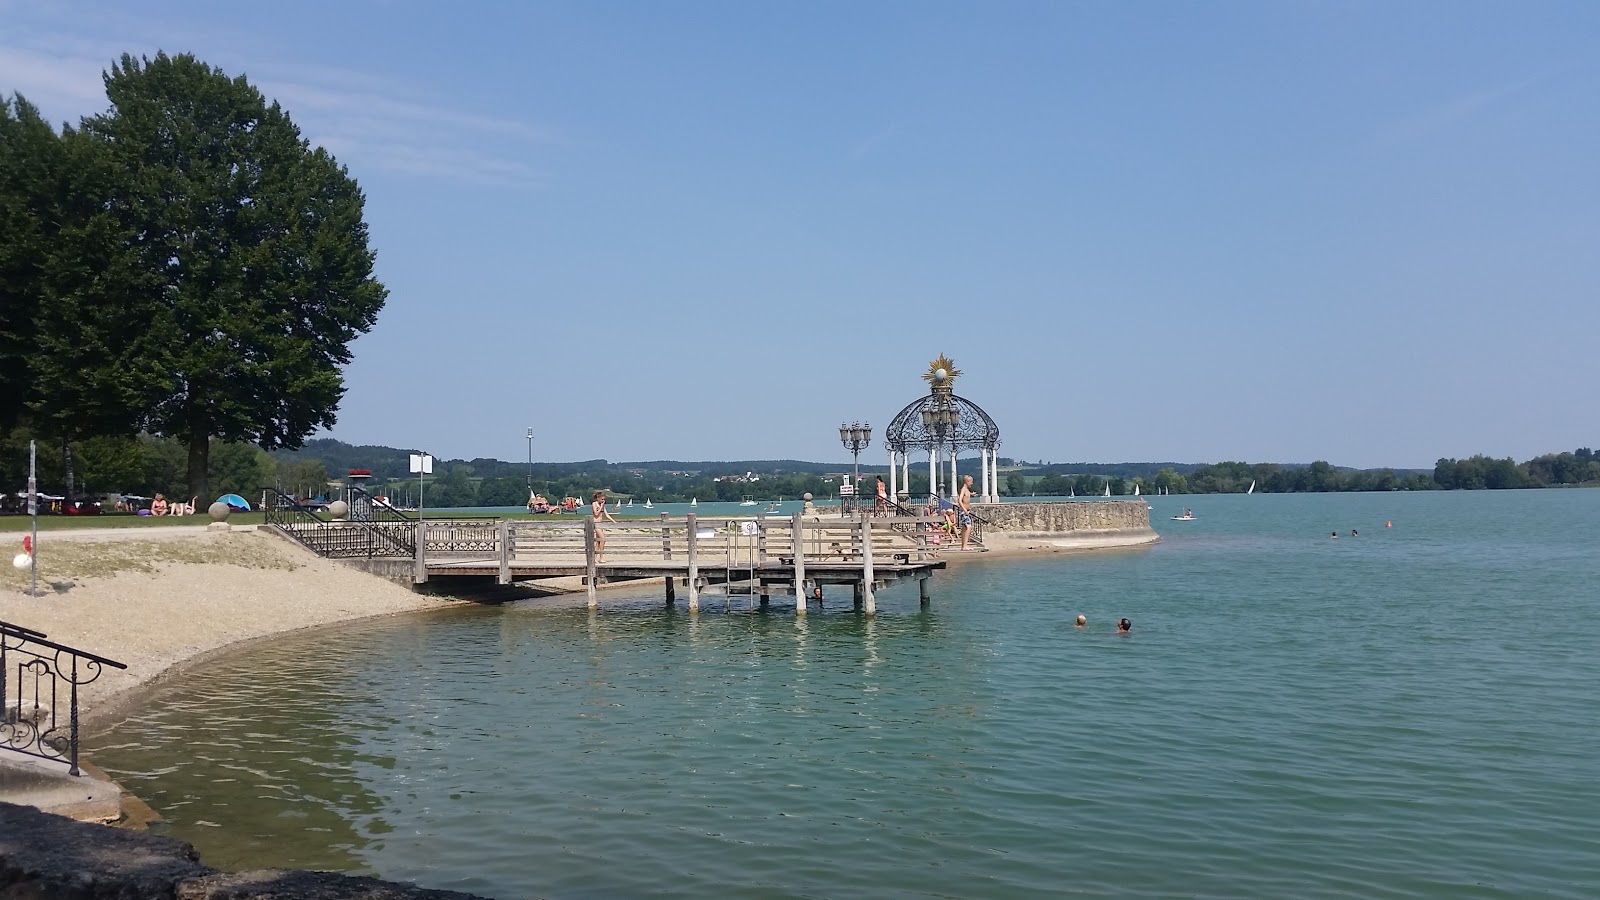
[(200, 464), (66, 463)]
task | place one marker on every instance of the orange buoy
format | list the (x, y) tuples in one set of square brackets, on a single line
[(1388, 524)]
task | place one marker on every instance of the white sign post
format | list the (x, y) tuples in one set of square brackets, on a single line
[(33, 510), (422, 464)]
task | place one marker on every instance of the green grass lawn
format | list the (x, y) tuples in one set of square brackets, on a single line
[(12, 523)]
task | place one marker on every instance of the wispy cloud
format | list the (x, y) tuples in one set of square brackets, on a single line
[(1449, 113), (875, 141), (366, 120)]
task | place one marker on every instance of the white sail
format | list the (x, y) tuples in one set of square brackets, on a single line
[(1136, 489), (1108, 489), (694, 501), (1252, 487)]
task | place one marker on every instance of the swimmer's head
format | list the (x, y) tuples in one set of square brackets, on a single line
[(1124, 625), (1082, 621)]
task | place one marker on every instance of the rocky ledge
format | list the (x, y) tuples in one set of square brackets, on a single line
[(48, 856)]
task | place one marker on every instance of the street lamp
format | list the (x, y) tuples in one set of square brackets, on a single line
[(855, 437), (530, 465), (941, 420)]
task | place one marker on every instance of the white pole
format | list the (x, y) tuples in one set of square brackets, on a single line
[(893, 497), (33, 510), (933, 471), (905, 463), (983, 474), (955, 482)]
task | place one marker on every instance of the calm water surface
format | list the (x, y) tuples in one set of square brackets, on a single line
[(1411, 712)]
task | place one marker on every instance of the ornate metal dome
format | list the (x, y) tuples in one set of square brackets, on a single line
[(941, 419)]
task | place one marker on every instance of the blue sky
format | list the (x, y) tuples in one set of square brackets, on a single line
[(1359, 231)]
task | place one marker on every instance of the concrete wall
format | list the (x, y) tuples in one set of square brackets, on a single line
[(1069, 523)]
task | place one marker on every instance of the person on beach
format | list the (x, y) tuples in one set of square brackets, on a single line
[(1124, 627), (1081, 622), (964, 509), (598, 509), (882, 506), (158, 506)]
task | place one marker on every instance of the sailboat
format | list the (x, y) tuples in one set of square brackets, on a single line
[(1071, 493), (1136, 488), (694, 501), (1252, 487), (648, 504), (1108, 488), (630, 501)]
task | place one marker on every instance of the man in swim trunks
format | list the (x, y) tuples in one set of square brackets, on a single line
[(964, 509), (598, 510)]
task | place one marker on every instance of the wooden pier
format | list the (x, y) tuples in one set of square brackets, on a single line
[(752, 557)]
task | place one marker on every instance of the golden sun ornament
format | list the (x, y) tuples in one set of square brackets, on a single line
[(942, 364)]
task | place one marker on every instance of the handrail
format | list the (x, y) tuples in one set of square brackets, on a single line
[(341, 538), (32, 723)]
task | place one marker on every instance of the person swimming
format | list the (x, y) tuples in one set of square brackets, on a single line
[(1081, 622), (1124, 626), (1353, 532), (1333, 534)]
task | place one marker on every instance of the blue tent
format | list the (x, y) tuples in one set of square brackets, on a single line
[(236, 502)]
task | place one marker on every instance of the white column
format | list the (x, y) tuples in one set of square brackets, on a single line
[(983, 474), (933, 470), (955, 484), (994, 476), (893, 497), (905, 465)]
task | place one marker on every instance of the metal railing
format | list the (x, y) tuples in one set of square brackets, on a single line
[(34, 673), (339, 538)]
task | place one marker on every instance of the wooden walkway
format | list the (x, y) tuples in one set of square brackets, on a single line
[(759, 556)]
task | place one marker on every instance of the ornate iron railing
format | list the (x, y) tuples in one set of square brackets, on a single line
[(34, 673), (978, 522), (339, 538)]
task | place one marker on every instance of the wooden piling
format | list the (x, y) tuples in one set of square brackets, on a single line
[(589, 559), (672, 589), (866, 563), (503, 535), (666, 539), (694, 565), (419, 572), (922, 589), (799, 565)]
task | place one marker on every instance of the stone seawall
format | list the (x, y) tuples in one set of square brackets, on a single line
[(1068, 524), (42, 855)]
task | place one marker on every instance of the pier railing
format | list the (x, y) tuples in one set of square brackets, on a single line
[(39, 681), (338, 538)]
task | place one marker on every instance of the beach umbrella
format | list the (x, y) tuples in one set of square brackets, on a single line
[(235, 501)]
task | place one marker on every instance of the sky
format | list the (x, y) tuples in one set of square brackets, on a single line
[(1366, 232)]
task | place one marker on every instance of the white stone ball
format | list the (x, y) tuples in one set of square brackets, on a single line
[(940, 374), (22, 561), (339, 509), (219, 511)]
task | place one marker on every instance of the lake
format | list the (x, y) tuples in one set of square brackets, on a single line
[(1410, 712)]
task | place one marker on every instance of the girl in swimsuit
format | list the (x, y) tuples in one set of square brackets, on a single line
[(158, 506), (598, 510)]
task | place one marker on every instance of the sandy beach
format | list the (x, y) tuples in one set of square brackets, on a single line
[(154, 601)]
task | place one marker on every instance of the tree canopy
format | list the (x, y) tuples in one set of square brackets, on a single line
[(186, 265)]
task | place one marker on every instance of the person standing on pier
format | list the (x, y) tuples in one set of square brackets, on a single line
[(964, 509), (882, 507), (598, 509)]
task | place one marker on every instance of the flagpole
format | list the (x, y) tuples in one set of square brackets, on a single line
[(33, 510)]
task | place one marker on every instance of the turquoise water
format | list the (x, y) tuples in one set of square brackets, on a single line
[(1408, 713)]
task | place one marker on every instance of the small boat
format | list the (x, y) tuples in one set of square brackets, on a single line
[(1108, 488), (1252, 487), (1183, 518), (1136, 488), (694, 501), (1071, 493), (747, 501), (630, 501), (648, 504)]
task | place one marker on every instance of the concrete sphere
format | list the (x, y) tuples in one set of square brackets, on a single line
[(219, 511), (807, 497), (339, 509)]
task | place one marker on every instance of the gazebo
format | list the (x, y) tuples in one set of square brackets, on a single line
[(942, 424)]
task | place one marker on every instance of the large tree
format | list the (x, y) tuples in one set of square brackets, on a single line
[(255, 268)]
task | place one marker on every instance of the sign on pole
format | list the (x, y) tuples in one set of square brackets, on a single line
[(421, 464)]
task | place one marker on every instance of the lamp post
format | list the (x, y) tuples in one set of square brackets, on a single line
[(530, 465), (941, 420), (855, 437)]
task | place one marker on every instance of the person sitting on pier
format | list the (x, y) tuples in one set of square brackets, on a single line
[(598, 509)]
